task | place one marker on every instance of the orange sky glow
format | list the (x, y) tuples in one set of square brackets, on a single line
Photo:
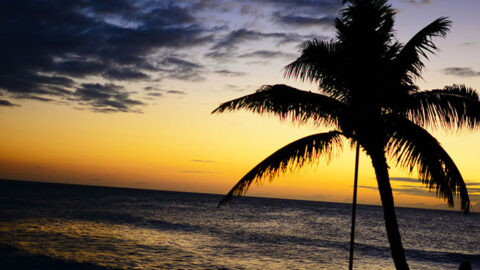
[(175, 143)]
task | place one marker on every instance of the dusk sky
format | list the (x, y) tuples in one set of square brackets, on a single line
[(120, 93)]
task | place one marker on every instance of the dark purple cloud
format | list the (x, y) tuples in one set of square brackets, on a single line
[(106, 98), (46, 46)]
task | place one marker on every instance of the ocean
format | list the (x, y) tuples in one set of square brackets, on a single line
[(58, 226)]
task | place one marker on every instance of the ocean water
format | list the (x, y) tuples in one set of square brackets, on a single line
[(54, 226)]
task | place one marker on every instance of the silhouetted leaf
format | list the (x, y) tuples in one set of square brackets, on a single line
[(291, 156)]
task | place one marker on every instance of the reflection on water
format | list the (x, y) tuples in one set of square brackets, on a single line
[(135, 229), (110, 245), (129, 247)]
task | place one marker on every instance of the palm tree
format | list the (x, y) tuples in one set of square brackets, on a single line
[(354, 207), (367, 93)]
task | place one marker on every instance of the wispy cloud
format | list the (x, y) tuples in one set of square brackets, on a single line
[(227, 45), (417, 190), (406, 179), (303, 21), (461, 71), (155, 94), (226, 72), (405, 189), (176, 92), (197, 172), (367, 187), (202, 160), (468, 44), (267, 54), (180, 69), (419, 2), (412, 190)]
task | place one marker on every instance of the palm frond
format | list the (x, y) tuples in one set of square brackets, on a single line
[(316, 61), (288, 102), (409, 60), (291, 156), (455, 106), (374, 15), (412, 147), (320, 62)]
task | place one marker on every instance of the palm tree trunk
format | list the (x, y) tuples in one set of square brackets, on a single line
[(379, 163), (354, 207)]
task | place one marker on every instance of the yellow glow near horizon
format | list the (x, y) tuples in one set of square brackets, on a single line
[(193, 151)]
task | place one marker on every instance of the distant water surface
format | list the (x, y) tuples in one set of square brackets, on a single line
[(47, 226)]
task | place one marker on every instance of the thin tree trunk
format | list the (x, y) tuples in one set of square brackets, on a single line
[(381, 170), (354, 207)]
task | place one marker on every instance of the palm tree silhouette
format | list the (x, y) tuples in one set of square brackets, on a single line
[(367, 93)]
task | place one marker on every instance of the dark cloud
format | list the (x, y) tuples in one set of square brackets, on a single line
[(152, 88), (47, 46), (177, 68), (461, 71), (234, 38), (176, 92), (226, 46), (422, 191), (473, 184), (78, 67), (155, 94), (33, 83), (412, 190), (106, 98), (125, 74), (34, 97), (419, 181), (405, 189), (303, 21), (473, 190), (218, 55), (184, 64), (267, 54), (406, 179), (226, 72), (247, 7), (6, 103), (367, 187), (264, 63), (306, 6)]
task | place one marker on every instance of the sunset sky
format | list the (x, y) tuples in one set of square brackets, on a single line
[(120, 93)]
